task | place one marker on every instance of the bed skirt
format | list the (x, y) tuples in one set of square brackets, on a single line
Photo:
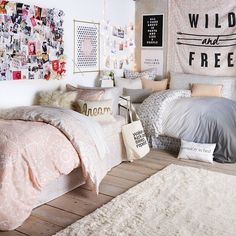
[(165, 143)]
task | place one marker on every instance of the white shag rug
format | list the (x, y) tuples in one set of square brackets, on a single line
[(176, 201)]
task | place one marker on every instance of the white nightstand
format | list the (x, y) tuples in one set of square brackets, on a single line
[(106, 83)]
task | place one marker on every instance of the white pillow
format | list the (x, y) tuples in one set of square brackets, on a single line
[(184, 81), (128, 83), (99, 110), (197, 151)]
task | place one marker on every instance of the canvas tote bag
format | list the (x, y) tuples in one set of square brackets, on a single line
[(134, 138)]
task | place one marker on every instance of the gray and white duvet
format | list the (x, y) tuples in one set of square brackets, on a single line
[(174, 113)]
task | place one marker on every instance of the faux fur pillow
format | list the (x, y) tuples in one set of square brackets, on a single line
[(57, 99)]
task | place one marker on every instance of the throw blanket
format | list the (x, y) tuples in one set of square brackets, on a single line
[(201, 37), (203, 120), (37, 145)]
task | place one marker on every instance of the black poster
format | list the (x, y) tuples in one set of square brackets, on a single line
[(152, 35)]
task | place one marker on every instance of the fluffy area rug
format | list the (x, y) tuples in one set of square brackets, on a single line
[(176, 201)]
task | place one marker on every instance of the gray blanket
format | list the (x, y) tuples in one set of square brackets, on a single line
[(201, 120)]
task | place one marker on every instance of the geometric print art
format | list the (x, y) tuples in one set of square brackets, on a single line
[(86, 49)]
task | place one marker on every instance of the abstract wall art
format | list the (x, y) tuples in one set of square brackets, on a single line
[(86, 46)]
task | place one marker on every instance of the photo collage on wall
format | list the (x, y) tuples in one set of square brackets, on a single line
[(31, 42), (119, 45)]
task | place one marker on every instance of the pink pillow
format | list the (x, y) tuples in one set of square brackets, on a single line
[(206, 90), (86, 94), (154, 85)]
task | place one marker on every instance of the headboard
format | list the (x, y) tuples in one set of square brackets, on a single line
[(184, 81), (23, 93)]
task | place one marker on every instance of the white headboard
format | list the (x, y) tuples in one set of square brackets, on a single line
[(23, 92), (184, 81)]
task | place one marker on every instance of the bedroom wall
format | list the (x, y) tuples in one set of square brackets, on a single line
[(149, 7), (15, 93)]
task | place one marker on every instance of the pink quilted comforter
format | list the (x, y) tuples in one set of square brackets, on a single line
[(37, 145)]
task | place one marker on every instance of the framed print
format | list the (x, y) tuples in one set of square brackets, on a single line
[(152, 31), (152, 58), (86, 46)]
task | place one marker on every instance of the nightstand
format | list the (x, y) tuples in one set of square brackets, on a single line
[(124, 106), (106, 83)]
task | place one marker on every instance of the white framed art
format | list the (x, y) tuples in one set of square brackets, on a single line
[(86, 46), (152, 58)]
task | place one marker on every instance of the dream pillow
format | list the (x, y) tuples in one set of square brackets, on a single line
[(197, 151), (107, 93), (99, 110)]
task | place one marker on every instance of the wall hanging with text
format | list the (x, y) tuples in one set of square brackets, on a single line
[(152, 31), (202, 37)]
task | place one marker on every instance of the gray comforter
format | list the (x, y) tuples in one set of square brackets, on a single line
[(202, 120)]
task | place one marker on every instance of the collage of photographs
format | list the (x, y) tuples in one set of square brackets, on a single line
[(31, 42), (119, 44)]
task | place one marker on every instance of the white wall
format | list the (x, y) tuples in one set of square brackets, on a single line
[(119, 12)]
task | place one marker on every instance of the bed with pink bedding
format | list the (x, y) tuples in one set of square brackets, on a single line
[(37, 146)]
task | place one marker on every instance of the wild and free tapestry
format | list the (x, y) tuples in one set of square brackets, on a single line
[(31, 42), (202, 37)]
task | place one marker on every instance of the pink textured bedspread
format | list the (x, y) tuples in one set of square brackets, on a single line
[(37, 145)]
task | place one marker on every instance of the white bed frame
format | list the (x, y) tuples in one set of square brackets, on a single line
[(24, 94)]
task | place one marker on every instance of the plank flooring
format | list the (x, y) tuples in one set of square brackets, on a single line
[(63, 211)]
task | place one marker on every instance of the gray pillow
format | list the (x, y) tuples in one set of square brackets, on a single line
[(137, 95)]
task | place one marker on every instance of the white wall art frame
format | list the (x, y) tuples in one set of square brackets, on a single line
[(152, 58), (86, 46)]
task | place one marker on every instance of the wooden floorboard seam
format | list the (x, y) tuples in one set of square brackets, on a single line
[(64, 210), (118, 180), (47, 204), (21, 232)]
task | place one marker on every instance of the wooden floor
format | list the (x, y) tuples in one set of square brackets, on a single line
[(63, 211)]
